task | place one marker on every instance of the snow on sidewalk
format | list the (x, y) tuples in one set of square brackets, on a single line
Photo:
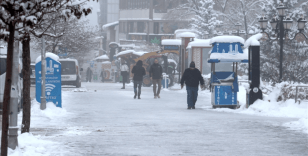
[(29, 145), (269, 107), (38, 145)]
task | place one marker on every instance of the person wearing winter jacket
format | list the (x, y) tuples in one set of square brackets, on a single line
[(192, 76), (156, 72), (124, 73), (138, 72), (103, 75), (89, 75)]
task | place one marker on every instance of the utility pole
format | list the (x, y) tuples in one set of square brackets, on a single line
[(13, 129), (43, 62)]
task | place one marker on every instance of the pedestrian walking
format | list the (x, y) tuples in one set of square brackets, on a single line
[(156, 72), (191, 77), (89, 75), (124, 73), (138, 72), (103, 75)]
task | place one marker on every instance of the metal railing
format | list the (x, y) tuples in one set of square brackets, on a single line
[(302, 86)]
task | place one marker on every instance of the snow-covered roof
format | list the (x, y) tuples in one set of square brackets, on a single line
[(199, 43), (227, 57), (171, 42), (106, 62), (114, 43), (102, 57), (183, 30), (130, 52), (187, 34), (110, 24), (253, 40), (50, 55), (227, 39)]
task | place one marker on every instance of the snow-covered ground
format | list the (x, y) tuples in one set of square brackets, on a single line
[(101, 119)]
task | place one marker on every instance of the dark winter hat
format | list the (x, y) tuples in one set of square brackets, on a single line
[(139, 63), (192, 64)]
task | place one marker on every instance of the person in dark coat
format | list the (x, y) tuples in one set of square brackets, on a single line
[(192, 76), (138, 72), (89, 75), (156, 72), (103, 75)]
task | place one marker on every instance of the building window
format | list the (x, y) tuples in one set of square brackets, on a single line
[(145, 4), (156, 28), (140, 27), (131, 26)]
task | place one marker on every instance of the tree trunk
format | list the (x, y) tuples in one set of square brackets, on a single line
[(26, 114), (7, 91)]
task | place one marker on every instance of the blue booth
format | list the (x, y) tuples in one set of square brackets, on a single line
[(53, 79), (224, 84)]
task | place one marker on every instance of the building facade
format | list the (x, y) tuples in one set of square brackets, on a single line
[(143, 21), (107, 18)]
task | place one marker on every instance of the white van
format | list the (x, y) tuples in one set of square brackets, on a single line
[(70, 72)]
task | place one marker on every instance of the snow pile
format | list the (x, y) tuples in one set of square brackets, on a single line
[(51, 111), (29, 145), (300, 125), (253, 41), (80, 90), (199, 43), (50, 55), (227, 39), (270, 107)]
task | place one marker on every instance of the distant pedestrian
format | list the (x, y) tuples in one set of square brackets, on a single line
[(103, 75), (138, 72), (156, 72), (89, 75), (124, 73), (191, 77)]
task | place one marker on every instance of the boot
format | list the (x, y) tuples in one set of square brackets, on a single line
[(193, 107), (135, 95), (139, 92), (123, 87)]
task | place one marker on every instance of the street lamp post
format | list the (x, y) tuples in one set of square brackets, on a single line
[(238, 25), (281, 28)]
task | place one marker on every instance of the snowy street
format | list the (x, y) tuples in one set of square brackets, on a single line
[(103, 120)]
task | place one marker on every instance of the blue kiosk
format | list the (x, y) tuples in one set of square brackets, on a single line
[(224, 84), (53, 79)]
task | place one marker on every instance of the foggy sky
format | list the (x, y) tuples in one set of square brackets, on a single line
[(93, 16)]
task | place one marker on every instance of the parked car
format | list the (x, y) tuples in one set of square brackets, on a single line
[(32, 74), (70, 72)]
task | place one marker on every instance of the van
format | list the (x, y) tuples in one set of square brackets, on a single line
[(70, 72)]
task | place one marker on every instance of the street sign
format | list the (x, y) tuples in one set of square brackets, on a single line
[(171, 47), (230, 48), (53, 81)]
